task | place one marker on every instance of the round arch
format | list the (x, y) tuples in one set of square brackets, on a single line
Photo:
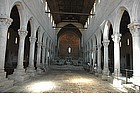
[(69, 37), (118, 18), (22, 13), (33, 30), (106, 30)]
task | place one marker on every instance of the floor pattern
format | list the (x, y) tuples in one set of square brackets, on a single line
[(64, 81)]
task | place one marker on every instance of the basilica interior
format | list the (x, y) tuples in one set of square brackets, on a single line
[(100, 37)]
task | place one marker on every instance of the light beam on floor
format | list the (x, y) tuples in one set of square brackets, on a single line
[(81, 80), (41, 86)]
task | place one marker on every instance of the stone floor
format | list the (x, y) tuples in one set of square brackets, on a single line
[(64, 81)]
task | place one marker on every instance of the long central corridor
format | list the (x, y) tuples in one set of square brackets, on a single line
[(64, 81)]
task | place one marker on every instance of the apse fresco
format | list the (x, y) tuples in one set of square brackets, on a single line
[(66, 41)]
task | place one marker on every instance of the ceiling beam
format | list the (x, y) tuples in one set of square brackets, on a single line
[(69, 27), (69, 13)]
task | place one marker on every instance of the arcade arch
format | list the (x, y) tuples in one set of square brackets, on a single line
[(27, 46), (11, 57), (126, 48)]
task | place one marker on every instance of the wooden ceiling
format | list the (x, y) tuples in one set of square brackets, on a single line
[(70, 10)]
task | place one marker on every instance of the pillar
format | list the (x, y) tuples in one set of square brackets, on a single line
[(99, 59), (39, 44), (4, 25), (46, 61), (32, 52), (94, 57), (135, 31), (105, 69), (19, 74), (22, 35), (116, 38), (31, 68), (43, 55)]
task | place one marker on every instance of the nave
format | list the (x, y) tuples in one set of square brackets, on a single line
[(57, 80)]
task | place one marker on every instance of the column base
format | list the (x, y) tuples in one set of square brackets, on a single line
[(115, 81), (105, 75), (5, 83), (2, 75), (47, 67), (39, 71), (19, 75), (99, 70), (31, 71)]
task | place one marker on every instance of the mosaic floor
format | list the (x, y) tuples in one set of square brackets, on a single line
[(64, 81)]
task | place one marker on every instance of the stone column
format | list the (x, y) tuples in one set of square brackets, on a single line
[(116, 38), (43, 56), (4, 25), (94, 56), (90, 60), (39, 57), (88, 55), (135, 31), (46, 61), (49, 56), (19, 74), (99, 59), (31, 68), (106, 69), (32, 51), (22, 35)]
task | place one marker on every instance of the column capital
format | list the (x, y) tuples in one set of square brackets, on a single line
[(99, 46), (32, 40), (43, 46), (94, 49), (116, 37), (22, 33), (134, 28), (39, 44), (105, 42), (5, 22)]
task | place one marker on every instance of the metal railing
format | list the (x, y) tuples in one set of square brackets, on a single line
[(127, 73)]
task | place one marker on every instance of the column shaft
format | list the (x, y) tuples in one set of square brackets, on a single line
[(4, 25), (116, 38), (39, 53), (106, 70), (135, 31), (22, 34), (32, 51), (99, 58), (43, 55)]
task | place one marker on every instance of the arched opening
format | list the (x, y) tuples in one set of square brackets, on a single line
[(69, 45), (111, 51), (126, 49), (11, 56), (27, 46)]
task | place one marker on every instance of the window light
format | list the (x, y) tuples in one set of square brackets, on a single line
[(16, 40), (128, 42)]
